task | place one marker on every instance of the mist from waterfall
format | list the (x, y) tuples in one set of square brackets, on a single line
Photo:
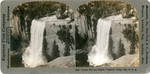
[(32, 56), (99, 52)]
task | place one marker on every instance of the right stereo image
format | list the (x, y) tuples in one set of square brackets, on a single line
[(106, 34)]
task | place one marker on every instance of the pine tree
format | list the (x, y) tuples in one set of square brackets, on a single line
[(121, 49), (110, 47), (132, 48), (133, 41), (55, 50), (67, 51)]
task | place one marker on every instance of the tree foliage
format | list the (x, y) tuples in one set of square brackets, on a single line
[(101, 9), (121, 49), (55, 50), (111, 47), (38, 9), (65, 36), (67, 51), (130, 34)]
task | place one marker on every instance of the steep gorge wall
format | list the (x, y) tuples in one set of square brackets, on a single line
[(52, 27)]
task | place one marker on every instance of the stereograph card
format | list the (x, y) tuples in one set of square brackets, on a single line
[(75, 36)]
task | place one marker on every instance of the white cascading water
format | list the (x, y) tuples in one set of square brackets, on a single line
[(99, 52), (32, 56)]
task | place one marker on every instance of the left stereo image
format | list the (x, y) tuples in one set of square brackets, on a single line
[(42, 35)]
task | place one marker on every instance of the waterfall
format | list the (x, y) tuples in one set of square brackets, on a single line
[(32, 56), (99, 52)]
